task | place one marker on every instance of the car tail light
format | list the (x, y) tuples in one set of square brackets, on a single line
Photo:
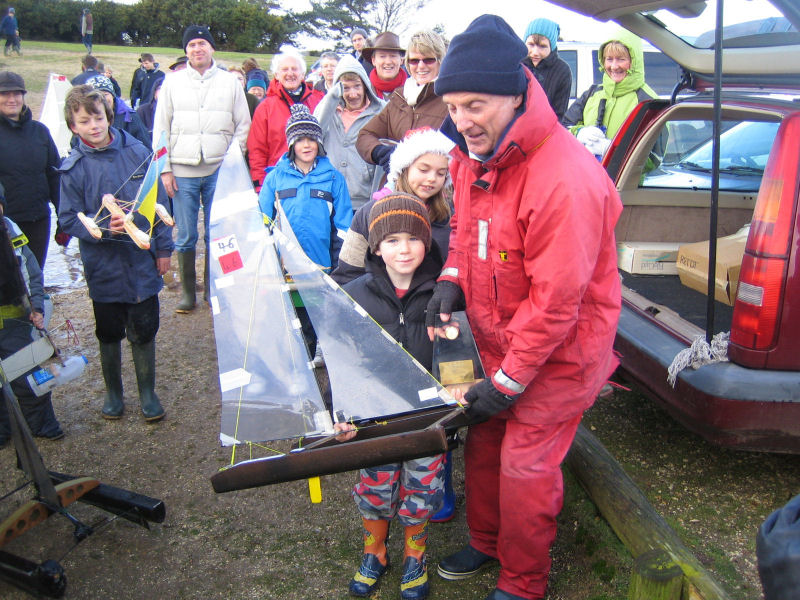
[(758, 302), (757, 310)]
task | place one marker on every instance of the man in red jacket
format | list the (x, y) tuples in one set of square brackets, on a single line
[(266, 141), (533, 257)]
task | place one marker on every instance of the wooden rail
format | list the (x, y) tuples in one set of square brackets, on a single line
[(632, 517)]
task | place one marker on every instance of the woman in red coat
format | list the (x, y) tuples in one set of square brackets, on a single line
[(266, 142)]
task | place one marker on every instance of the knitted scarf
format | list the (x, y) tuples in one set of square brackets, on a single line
[(384, 87)]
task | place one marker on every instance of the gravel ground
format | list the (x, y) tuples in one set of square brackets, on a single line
[(273, 543)]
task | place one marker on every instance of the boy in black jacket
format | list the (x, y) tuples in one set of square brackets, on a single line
[(402, 268)]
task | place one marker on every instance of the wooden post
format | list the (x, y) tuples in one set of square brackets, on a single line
[(630, 515), (655, 576)]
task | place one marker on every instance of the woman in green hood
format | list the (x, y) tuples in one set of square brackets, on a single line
[(598, 114)]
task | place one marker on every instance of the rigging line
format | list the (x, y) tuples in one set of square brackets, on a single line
[(277, 232), (98, 526), (136, 170), (247, 350), (22, 486), (72, 335)]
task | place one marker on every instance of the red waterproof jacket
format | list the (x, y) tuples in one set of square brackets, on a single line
[(533, 249), (266, 141)]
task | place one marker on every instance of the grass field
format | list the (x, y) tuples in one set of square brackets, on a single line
[(39, 59)]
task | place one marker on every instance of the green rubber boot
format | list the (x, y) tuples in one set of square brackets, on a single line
[(188, 275), (111, 363), (144, 362)]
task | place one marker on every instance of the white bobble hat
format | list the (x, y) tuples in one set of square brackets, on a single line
[(416, 143)]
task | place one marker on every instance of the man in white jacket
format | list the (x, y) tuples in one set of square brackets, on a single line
[(202, 109)]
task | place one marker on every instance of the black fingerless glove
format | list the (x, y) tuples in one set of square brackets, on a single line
[(447, 297), (485, 400), (381, 155)]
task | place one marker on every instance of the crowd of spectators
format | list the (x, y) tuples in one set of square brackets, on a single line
[(448, 135)]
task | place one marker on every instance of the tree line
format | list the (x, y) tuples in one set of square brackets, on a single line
[(237, 25)]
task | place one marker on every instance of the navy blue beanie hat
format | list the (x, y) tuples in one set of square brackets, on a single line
[(259, 74), (545, 27), (195, 32), (485, 58)]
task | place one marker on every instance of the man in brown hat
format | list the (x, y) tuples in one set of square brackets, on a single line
[(179, 64), (386, 57)]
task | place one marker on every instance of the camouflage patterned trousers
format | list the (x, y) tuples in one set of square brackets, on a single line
[(412, 490)]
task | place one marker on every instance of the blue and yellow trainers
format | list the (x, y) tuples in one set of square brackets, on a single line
[(414, 583), (366, 579)]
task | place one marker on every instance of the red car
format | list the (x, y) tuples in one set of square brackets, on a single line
[(662, 161)]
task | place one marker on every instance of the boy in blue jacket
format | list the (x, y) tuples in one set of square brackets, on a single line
[(123, 279), (401, 271), (312, 192), (315, 198)]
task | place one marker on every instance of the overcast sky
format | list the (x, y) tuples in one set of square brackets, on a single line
[(455, 15)]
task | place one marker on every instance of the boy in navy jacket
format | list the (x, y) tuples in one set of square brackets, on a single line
[(123, 279)]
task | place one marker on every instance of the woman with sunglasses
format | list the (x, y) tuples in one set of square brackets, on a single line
[(410, 107)]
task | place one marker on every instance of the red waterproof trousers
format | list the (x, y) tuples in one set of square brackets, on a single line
[(514, 492)]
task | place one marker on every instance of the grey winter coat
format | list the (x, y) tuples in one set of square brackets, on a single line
[(340, 145)]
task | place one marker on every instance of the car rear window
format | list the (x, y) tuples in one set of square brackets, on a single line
[(681, 158)]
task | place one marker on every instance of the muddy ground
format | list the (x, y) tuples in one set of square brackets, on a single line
[(271, 542)]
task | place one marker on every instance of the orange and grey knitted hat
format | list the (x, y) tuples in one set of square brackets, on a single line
[(399, 213)]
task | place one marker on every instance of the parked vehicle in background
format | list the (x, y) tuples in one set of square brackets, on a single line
[(661, 163), (314, 73)]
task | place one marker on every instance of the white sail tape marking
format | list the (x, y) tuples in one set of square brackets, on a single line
[(224, 282), (233, 379), (428, 394)]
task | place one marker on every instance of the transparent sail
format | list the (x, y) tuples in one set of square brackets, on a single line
[(371, 375), (52, 114), (268, 387)]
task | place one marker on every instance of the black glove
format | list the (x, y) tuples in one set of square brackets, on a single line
[(61, 238), (381, 154), (485, 400), (447, 297)]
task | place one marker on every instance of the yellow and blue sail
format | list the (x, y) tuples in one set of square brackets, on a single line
[(145, 202)]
